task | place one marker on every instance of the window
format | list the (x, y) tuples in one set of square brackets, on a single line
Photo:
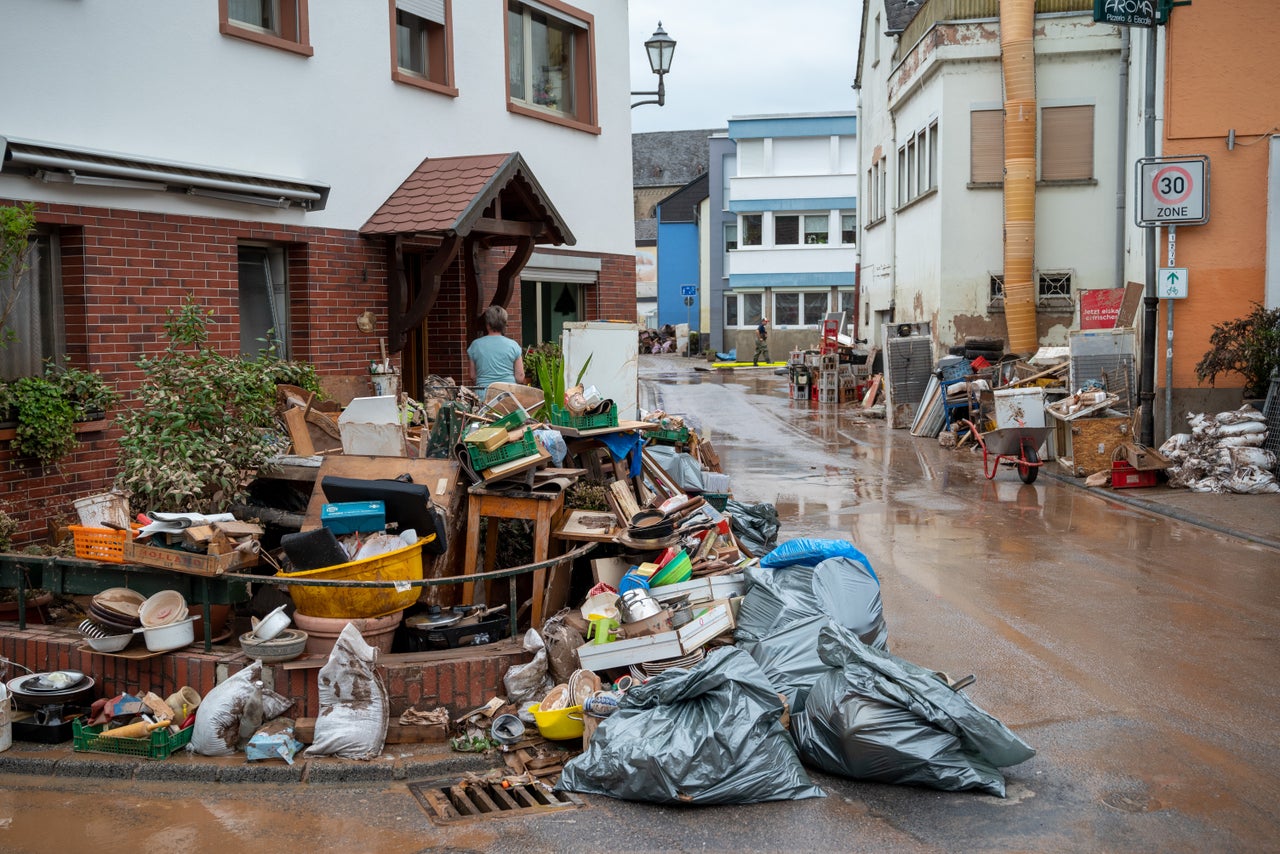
[(751, 230), (932, 183), (1066, 143), (800, 308), (786, 308), (986, 147), (902, 177), (814, 307), (731, 310), (551, 63), (918, 164), (730, 242), (728, 167), (422, 52), (264, 300), (816, 228), (34, 330), (276, 23), (1053, 286), (752, 309), (848, 229), (848, 304), (786, 229), (996, 289), (875, 190), (875, 42)]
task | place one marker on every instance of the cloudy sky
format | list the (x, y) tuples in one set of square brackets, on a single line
[(745, 57)]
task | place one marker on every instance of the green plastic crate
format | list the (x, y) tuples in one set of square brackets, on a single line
[(511, 420), (718, 500), (562, 417), (161, 744), (678, 437), (482, 459)]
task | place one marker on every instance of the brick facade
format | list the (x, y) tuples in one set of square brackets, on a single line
[(122, 270)]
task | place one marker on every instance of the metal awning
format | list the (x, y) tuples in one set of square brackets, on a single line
[(53, 163)]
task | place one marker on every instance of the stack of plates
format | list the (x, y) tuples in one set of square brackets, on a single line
[(115, 610), (649, 669)]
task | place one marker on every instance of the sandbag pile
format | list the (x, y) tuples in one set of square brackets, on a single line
[(1223, 453)]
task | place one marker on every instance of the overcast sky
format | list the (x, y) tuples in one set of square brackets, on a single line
[(746, 57)]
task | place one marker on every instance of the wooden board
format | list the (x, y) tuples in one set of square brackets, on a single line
[(623, 427), (575, 527), (295, 420)]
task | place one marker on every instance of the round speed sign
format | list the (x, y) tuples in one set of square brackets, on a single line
[(1173, 192)]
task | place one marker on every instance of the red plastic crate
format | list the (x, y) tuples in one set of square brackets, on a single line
[(1125, 476)]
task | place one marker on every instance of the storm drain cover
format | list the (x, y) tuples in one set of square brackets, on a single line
[(451, 803)]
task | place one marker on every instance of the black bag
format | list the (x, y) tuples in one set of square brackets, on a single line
[(408, 505)]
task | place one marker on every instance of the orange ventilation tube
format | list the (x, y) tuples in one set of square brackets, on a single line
[(1018, 66)]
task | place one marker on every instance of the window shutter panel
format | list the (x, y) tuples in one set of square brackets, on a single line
[(1066, 143), (986, 146), (431, 10)]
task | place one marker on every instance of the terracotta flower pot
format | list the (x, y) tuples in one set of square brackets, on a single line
[(37, 609)]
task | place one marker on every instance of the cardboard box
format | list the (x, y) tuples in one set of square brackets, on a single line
[(371, 426), (1143, 458), (186, 562), (351, 517)]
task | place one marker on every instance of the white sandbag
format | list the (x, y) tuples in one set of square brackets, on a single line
[(1259, 458), (1248, 480), (1254, 440), (353, 701), (529, 681), (1208, 484), (1245, 413), (1200, 424), (232, 711), (1176, 446), (1242, 428)]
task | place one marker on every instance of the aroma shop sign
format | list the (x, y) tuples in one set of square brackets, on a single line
[(1128, 13)]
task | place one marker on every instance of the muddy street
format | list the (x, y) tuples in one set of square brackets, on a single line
[(1131, 650)]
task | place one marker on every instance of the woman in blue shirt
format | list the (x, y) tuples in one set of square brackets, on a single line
[(495, 357)]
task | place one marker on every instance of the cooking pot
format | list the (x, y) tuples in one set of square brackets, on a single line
[(169, 637), (637, 605), (26, 693), (650, 525)]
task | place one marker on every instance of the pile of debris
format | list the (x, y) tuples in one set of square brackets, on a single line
[(1223, 453)]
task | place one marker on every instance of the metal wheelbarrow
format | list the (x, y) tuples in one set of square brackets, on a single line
[(1011, 446)]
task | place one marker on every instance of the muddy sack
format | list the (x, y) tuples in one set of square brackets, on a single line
[(755, 525), (709, 735), (787, 605), (873, 716), (232, 711), (353, 701)]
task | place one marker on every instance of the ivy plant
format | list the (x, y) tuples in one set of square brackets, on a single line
[(46, 419), (201, 424)]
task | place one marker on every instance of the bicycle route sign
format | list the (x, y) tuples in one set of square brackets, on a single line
[(1173, 191)]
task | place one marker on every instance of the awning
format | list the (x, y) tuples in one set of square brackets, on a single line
[(52, 163), (481, 201)]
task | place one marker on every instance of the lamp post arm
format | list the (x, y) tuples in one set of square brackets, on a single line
[(661, 94)]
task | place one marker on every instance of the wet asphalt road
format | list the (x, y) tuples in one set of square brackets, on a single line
[(1136, 653)]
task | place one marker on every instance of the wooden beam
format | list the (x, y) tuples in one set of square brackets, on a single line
[(401, 320), (507, 227), (510, 270)]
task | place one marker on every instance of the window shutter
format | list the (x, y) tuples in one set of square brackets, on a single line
[(431, 10), (986, 146), (1066, 143)]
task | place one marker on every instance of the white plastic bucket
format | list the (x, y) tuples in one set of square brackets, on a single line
[(103, 511), (6, 721), (385, 384)]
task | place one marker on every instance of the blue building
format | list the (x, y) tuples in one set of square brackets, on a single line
[(679, 254)]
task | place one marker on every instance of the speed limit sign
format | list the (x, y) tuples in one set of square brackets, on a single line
[(1173, 191)]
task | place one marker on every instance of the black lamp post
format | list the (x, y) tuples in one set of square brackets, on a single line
[(660, 48)]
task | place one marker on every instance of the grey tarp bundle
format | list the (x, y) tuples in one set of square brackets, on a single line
[(785, 608), (755, 525), (873, 716), (681, 468), (709, 735)]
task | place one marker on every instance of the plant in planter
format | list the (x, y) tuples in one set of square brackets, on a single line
[(46, 419), (1248, 346), (202, 423), (91, 395)]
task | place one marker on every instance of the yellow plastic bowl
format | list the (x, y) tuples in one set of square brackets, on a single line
[(349, 603), (560, 724)]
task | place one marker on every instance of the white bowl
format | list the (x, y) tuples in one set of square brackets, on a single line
[(162, 609), (271, 625), (110, 643), (171, 636)]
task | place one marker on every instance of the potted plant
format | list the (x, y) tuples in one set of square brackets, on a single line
[(88, 392), (46, 426), (1248, 346)]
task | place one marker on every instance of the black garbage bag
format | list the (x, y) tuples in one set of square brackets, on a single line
[(709, 735), (873, 716), (785, 607), (755, 526)]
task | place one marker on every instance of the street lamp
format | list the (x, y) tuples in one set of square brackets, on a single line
[(660, 47)]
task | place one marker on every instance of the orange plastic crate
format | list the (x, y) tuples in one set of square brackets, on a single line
[(105, 545)]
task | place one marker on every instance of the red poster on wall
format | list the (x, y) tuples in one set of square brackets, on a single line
[(1099, 309)]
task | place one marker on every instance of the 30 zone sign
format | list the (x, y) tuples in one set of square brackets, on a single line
[(1173, 191)]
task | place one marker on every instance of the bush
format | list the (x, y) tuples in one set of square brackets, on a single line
[(1248, 346)]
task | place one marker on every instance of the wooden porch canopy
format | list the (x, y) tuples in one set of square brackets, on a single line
[(466, 204)]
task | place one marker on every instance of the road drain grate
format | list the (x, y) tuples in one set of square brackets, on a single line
[(447, 803)]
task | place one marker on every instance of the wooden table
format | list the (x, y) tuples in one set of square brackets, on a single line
[(543, 509)]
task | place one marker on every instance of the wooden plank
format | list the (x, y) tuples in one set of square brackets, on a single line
[(426, 472), (295, 420), (626, 501)]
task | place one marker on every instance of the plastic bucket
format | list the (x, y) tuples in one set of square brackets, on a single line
[(103, 511), (347, 603), (6, 721), (385, 384)]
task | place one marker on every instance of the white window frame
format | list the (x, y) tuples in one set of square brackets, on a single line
[(805, 232), (853, 215), (742, 229), (779, 217), (746, 319)]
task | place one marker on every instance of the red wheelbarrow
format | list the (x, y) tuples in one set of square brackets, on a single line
[(1011, 446)]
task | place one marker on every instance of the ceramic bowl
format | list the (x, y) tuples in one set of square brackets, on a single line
[(162, 609), (286, 646), (169, 637), (271, 625)]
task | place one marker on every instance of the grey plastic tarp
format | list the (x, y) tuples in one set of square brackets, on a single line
[(755, 525), (873, 716), (785, 607), (680, 467), (708, 735)]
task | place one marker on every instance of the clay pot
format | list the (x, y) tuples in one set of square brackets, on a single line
[(36, 612), (322, 632)]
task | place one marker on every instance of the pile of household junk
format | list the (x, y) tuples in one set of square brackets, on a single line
[(742, 680)]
